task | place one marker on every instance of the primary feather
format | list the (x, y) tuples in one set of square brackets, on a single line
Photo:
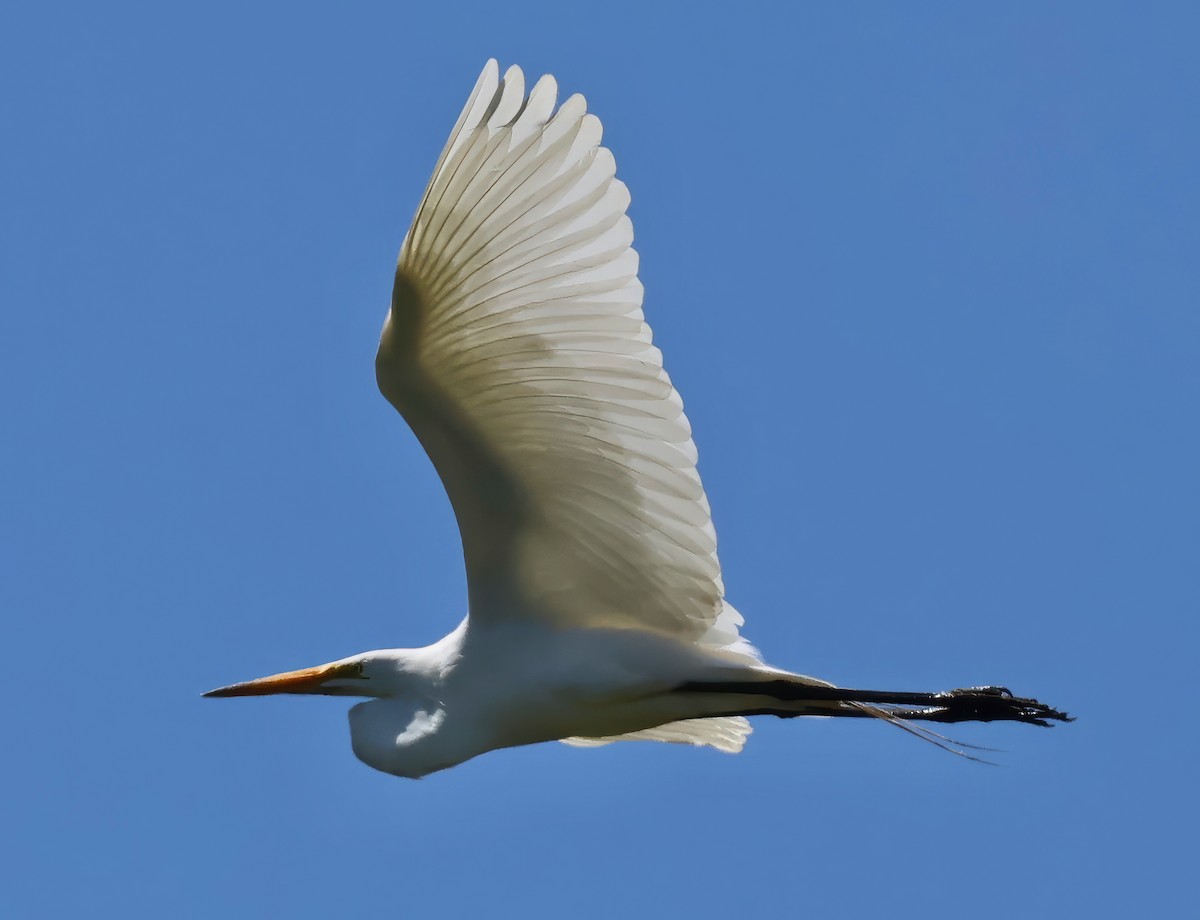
[(518, 353)]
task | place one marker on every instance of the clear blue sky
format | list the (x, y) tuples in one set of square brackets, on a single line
[(926, 277)]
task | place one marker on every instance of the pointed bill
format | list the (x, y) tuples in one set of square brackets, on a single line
[(305, 680)]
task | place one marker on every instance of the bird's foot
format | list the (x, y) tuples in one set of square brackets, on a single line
[(993, 704)]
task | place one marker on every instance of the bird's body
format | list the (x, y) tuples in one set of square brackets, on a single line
[(483, 688), (516, 350)]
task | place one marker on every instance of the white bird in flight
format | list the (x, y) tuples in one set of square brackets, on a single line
[(516, 350)]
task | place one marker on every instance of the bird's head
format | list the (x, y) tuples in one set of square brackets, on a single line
[(372, 674)]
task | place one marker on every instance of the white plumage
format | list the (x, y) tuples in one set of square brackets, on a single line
[(530, 331), (516, 349), (532, 327)]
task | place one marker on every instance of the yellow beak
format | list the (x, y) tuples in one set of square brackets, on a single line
[(306, 680)]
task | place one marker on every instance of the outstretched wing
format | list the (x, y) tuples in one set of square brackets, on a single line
[(516, 350)]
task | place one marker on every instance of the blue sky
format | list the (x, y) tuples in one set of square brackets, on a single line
[(926, 278)]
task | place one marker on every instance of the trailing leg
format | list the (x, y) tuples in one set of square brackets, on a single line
[(968, 704)]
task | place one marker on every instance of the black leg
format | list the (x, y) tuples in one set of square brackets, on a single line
[(968, 704)]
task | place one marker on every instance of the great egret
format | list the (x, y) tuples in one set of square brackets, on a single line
[(516, 350)]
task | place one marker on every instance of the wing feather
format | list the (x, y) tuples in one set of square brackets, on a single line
[(517, 351)]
